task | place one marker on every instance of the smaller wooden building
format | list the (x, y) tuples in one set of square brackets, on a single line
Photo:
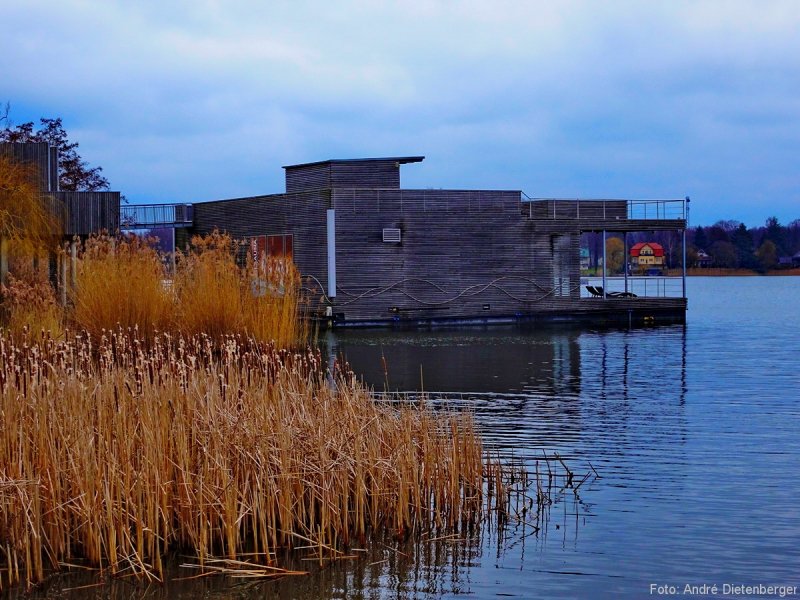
[(80, 213)]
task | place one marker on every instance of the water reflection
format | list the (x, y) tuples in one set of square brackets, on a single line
[(531, 388), (507, 360)]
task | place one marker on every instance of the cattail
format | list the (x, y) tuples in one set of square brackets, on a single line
[(119, 448)]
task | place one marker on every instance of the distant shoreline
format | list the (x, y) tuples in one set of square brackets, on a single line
[(715, 272), (719, 272)]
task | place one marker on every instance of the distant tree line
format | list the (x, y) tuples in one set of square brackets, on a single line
[(731, 244)]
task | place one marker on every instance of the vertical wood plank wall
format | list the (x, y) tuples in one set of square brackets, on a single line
[(89, 212), (82, 213), (41, 156), (462, 254)]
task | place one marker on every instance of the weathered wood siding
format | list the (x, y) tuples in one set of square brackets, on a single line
[(89, 212), (369, 173), (302, 214), (308, 177), (366, 174), (39, 154), (463, 254)]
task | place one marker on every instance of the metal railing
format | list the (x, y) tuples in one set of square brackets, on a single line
[(639, 286), (143, 216), (604, 208)]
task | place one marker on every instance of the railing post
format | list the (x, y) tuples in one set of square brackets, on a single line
[(683, 235), (683, 278)]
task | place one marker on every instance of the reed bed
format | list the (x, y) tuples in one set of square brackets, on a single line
[(215, 296), (117, 450), (122, 282), (29, 305)]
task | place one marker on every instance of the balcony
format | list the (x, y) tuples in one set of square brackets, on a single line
[(608, 214)]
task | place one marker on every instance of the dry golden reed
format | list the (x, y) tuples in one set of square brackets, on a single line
[(215, 296), (28, 221), (119, 282), (115, 450), (122, 282), (28, 306)]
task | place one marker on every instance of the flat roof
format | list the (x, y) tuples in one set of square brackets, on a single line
[(398, 159)]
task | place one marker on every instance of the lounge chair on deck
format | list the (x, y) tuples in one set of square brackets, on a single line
[(598, 292)]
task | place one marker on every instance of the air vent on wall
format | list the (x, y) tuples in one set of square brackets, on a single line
[(391, 236)]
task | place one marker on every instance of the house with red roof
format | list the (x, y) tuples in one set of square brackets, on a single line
[(647, 255)]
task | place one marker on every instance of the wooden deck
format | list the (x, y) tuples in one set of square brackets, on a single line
[(615, 312)]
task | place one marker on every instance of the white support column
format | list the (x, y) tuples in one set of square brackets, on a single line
[(605, 291), (331, 217)]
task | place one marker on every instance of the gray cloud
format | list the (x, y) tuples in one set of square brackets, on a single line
[(201, 100)]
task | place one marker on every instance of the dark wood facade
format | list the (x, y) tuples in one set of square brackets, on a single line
[(89, 212), (461, 256), (41, 156)]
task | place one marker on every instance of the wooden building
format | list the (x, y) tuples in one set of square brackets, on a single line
[(378, 254)]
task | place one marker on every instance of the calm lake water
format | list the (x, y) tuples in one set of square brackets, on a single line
[(693, 430)]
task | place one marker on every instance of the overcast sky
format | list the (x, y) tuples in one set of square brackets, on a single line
[(201, 100)]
